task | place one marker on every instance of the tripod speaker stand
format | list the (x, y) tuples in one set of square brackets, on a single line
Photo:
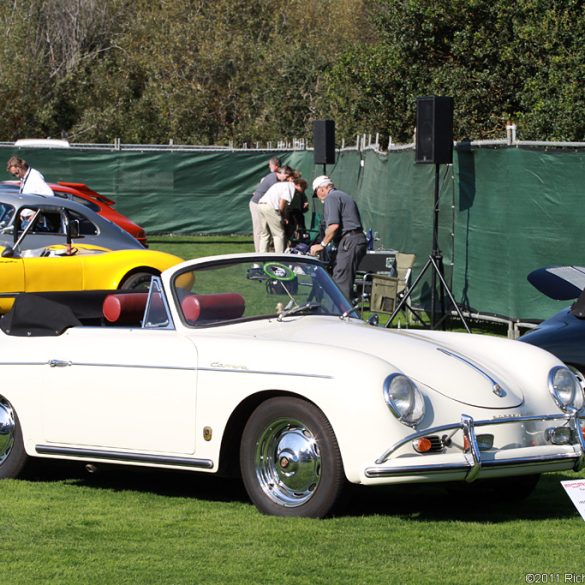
[(434, 144), (439, 286)]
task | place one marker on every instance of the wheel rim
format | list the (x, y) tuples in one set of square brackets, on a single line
[(7, 430), (288, 463)]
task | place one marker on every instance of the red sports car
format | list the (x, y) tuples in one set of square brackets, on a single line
[(101, 204)]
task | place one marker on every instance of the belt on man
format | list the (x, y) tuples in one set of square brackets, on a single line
[(356, 231)]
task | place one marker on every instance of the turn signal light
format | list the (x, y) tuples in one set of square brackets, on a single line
[(466, 444), (422, 445)]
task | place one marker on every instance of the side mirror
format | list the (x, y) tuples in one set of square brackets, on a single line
[(74, 228), (374, 320), (8, 252)]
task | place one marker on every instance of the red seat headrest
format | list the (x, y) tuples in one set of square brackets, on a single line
[(213, 307), (124, 309)]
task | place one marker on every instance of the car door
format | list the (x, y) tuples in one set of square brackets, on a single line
[(53, 273), (11, 280), (121, 389)]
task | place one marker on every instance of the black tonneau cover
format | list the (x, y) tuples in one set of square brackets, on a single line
[(51, 313)]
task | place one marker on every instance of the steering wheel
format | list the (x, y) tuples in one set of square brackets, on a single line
[(278, 271)]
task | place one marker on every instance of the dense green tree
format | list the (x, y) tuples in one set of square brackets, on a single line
[(200, 72), (500, 60)]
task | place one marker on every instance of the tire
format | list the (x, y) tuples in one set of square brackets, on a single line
[(13, 457), (290, 461), (139, 281)]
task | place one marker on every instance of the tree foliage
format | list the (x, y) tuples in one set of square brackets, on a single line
[(200, 72)]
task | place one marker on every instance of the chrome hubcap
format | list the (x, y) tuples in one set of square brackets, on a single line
[(7, 430), (288, 464)]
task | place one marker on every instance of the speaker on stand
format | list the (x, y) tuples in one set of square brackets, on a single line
[(434, 145), (324, 143)]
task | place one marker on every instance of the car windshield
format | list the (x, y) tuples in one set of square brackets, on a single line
[(244, 289), (6, 213)]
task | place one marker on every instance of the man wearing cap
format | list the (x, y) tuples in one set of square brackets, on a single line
[(343, 225)]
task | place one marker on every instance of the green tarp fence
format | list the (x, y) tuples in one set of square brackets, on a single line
[(504, 211)]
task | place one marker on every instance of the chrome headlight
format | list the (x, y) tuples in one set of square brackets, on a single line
[(404, 399), (565, 388)]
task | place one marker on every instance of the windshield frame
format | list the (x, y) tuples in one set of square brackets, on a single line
[(335, 299)]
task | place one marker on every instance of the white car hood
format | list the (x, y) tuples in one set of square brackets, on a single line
[(469, 377)]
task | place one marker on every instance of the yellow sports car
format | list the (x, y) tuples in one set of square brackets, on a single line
[(65, 267)]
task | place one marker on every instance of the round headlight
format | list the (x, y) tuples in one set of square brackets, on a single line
[(564, 388), (404, 399)]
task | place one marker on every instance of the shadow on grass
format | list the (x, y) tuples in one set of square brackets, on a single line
[(169, 483), (420, 502), (416, 502)]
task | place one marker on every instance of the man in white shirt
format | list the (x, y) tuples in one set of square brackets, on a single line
[(271, 209), (31, 181)]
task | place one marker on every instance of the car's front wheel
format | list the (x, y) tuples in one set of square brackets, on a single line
[(290, 460), (13, 457)]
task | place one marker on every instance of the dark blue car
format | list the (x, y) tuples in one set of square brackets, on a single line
[(564, 333)]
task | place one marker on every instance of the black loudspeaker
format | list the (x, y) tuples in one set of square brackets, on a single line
[(434, 130), (324, 142)]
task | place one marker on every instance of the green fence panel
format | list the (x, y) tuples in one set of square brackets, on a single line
[(518, 209), (503, 211)]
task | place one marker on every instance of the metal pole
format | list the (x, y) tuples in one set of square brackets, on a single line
[(435, 252)]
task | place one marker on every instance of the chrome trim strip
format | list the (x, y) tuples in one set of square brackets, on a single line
[(23, 363), (124, 456), (374, 472), (137, 366), (266, 373), (53, 363), (496, 386)]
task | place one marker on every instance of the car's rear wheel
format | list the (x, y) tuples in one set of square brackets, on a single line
[(139, 281), (290, 460), (13, 457)]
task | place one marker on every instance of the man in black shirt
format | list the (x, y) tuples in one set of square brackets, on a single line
[(344, 226)]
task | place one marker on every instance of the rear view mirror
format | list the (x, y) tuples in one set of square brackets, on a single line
[(8, 252)]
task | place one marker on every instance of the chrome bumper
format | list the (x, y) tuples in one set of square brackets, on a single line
[(472, 464)]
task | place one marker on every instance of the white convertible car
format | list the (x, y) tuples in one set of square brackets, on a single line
[(256, 365)]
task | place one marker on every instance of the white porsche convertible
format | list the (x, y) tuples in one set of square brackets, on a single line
[(256, 365)]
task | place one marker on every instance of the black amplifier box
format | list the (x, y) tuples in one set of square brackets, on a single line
[(379, 261)]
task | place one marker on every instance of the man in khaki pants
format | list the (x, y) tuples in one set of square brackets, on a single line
[(271, 209), (277, 173)]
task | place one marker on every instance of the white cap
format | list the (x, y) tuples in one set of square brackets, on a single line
[(320, 181)]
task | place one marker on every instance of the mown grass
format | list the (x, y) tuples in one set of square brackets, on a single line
[(133, 527), (198, 246)]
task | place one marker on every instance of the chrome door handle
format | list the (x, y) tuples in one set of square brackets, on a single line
[(59, 363)]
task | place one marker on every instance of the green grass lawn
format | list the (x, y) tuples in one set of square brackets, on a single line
[(197, 246), (172, 528), (148, 527)]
